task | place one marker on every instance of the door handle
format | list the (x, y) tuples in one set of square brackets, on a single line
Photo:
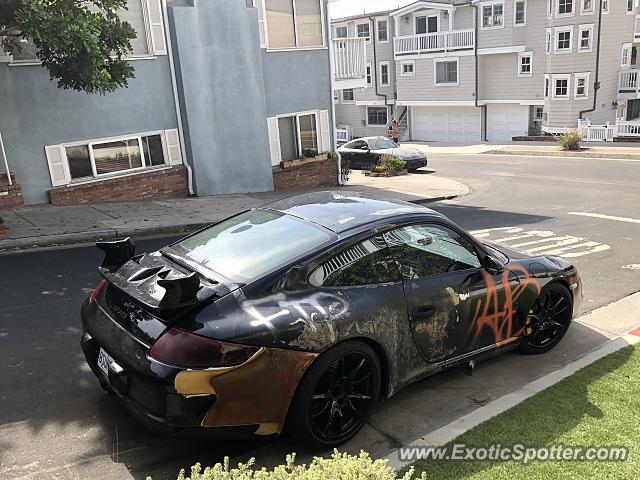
[(424, 311)]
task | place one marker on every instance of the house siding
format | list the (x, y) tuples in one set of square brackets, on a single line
[(35, 113)]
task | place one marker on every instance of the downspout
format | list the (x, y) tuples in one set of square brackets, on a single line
[(334, 127), (4, 157), (477, 68), (174, 84), (596, 83)]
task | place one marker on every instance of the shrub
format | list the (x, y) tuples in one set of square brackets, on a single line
[(389, 164), (340, 466), (570, 140), (309, 153)]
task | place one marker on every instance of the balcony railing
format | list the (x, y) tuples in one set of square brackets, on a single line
[(434, 42), (628, 128), (350, 57), (629, 84)]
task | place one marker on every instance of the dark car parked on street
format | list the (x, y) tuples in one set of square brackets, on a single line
[(364, 153), (308, 311)]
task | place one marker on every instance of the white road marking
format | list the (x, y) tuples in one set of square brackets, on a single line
[(606, 217), (543, 242), (633, 266)]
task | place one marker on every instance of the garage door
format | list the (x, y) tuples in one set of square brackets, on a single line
[(446, 124), (505, 121)]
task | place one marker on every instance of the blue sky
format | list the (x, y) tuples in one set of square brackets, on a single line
[(344, 8)]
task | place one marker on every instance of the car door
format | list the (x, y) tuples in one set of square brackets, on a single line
[(455, 306), (359, 155)]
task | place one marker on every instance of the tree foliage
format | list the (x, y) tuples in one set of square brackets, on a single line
[(82, 43)]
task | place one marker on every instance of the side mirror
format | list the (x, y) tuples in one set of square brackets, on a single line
[(493, 266), (365, 148)]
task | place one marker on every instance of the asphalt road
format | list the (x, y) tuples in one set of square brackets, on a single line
[(55, 422)]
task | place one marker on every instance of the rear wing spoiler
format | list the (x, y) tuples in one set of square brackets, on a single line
[(138, 277)]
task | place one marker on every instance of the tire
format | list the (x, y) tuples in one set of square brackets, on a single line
[(548, 320), (325, 390)]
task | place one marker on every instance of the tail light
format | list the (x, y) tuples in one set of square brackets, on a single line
[(185, 349), (96, 291)]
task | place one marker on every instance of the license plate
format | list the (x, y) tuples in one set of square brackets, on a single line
[(104, 360)]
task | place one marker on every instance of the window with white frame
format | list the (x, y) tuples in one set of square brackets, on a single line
[(565, 8), (377, 115), (100, 158), (561, 86), (446, 72), (549, 42), (297, 133), (384, 74), (139, 14), (294, 23), (630, 6), (525, 64), (520, 13), (408, 68), (605, 6), (547, 86), (363, 30), (493, 15), (564, 39), (342, 32), (347, 95), (625, 60), (585, 38), (538, 111), (581, 88), (587, 7), (383, 31), (369, 75)]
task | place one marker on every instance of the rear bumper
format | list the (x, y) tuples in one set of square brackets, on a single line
[(248, 399)]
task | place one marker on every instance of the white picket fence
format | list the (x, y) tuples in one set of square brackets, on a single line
[(597, 133)]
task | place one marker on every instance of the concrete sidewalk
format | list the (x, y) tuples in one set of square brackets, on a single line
[(44, 226), (539, 148)]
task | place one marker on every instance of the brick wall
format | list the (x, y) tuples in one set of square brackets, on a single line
[(10, 196), (320, 173), (156, 184)]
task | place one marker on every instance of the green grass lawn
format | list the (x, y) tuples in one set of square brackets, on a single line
[(599, 405)]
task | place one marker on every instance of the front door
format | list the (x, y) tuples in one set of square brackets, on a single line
[(454, 305), (359, 155)]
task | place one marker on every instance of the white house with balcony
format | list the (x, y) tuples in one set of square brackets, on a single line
[(473, 70)]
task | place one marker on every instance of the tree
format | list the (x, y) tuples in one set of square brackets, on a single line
[(82, 43)]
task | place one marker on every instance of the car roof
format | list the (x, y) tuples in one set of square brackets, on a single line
[(342, 211)]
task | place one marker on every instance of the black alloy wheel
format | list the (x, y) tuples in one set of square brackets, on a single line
[(548, 319), (337, 395)]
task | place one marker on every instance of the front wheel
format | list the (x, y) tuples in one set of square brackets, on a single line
[(548, 320), (336, 395)]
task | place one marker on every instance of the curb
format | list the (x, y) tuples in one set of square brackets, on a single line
[(451, 431), (617, 156), (58, 240)]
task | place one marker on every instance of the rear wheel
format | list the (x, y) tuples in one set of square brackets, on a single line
[(548, 320), (336, 396)]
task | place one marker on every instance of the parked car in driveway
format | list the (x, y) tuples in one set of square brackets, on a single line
[(304, 313), (364, 153)]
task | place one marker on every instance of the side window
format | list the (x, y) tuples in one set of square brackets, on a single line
[(426, 250), (365, 263), (358, 144)]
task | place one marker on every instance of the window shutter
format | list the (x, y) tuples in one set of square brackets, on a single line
[(274, 140), (58, 168), (173, 147), (325, 131), (156, 27)]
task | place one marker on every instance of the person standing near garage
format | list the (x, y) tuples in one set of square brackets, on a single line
[(394, 132)]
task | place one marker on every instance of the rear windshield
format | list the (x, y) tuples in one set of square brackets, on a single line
[(249, 245)]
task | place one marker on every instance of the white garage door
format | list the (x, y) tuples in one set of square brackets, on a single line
[(446, 124), (505, 121)]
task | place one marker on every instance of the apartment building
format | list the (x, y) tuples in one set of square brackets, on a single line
[(494, 69), (223, 93)]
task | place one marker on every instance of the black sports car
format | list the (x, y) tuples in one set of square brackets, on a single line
[(308, 311), (364, 153)]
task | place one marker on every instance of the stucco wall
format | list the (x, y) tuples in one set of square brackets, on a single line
[(35, 113), (219, 70)]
